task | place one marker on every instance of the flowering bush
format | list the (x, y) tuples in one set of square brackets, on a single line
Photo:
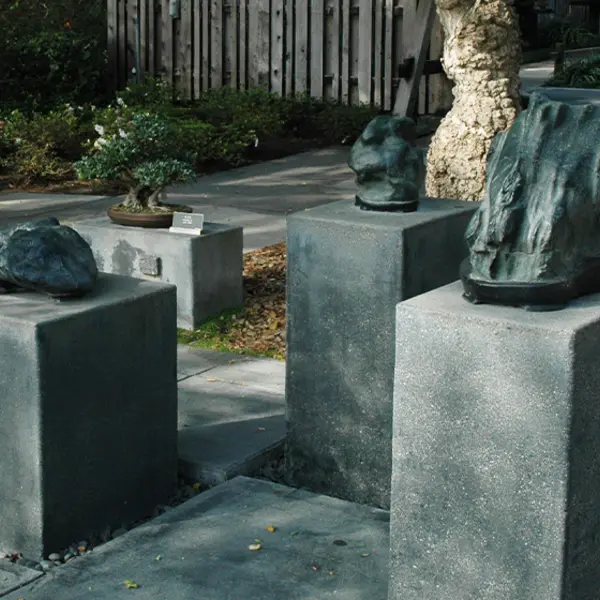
[(144, 153), (43, 146)]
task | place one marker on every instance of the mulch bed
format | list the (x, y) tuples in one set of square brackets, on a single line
[(259, 328)]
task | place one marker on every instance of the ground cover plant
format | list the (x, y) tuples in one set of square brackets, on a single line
[(581, 73)]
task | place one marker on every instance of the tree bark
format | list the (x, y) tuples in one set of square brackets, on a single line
[(482, 55)]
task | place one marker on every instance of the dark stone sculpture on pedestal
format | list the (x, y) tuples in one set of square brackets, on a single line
[(45, 256), (389, 167), (535, 240)]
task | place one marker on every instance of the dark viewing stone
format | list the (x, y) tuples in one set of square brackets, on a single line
[(45, 256), (389, 167), (535, 240)]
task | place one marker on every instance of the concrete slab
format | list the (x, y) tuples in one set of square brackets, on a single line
[(23, 206), (279, 186), (13, 576), (229, 423), (535, 74), (322, 549)]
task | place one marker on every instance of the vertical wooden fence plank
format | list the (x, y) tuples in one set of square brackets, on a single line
[(301, 47), (258, 44), (388, 54), (112, 41), (153, 34), (123, 74), (205, 44), (277, 46), (346, 41), (132, 13), (365, 51), (216, 44), (197, 45), (289, 47), (335, 35), (243, 45), (144, 38), (317, 26), (378, 53), (185, 51), (232, 43), (166, 50)]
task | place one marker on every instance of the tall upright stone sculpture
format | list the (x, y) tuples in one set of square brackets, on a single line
[(535, 241), (496, 468), (347, 269)]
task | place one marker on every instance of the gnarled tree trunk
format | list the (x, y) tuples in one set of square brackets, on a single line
[(482, 55)]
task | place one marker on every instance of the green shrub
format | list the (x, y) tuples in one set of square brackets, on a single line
[(151, 93), (44, 146), (583, 73), (566, 33), (40, 72), (331, 122)]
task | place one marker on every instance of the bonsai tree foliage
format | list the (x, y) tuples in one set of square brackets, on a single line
[(482, 55), (144, 154)]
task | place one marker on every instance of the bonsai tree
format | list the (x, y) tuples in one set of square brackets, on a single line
[(144, 154)]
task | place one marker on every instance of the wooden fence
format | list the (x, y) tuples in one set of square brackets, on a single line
[(347, 50)]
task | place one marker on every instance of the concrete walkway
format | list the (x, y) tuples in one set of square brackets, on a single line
[(257, 197)]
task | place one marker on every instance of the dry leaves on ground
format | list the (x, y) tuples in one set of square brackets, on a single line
[(259, 328)]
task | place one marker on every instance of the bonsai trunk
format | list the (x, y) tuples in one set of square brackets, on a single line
[(141, 196), (482, 55)]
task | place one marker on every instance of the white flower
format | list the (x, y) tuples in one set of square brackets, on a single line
[(256, 142), (122, 133), (100, 142), (99, 129), (18, 141), (120, 101), (134, 70)]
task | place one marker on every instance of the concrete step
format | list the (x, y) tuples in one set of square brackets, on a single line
[(322, 548), (231, 414)]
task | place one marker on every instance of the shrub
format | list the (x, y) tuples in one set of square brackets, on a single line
[(331, 122), (51, 68), (583, 73), (44, 145)]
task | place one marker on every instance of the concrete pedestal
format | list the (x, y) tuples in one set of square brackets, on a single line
[(207, 269), (496, 455), (347, 269), (88, 412)]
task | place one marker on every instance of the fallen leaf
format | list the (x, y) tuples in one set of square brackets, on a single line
[(261, 429), (254, 547), (294, 533), (315, 568), (158, 557), (258, 541), (332, 572), (211, 379), (365, 554), (131, 585), (340, 543), (196, 485), (271, 528)]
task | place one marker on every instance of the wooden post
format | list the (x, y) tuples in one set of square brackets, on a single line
[(417, 23)]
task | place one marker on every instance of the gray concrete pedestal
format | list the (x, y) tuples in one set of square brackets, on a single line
[(207, 269), (496, 453), (88, 412), (347, 269)]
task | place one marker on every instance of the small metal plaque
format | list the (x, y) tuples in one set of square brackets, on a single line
[(190, 223), (150, 265)]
